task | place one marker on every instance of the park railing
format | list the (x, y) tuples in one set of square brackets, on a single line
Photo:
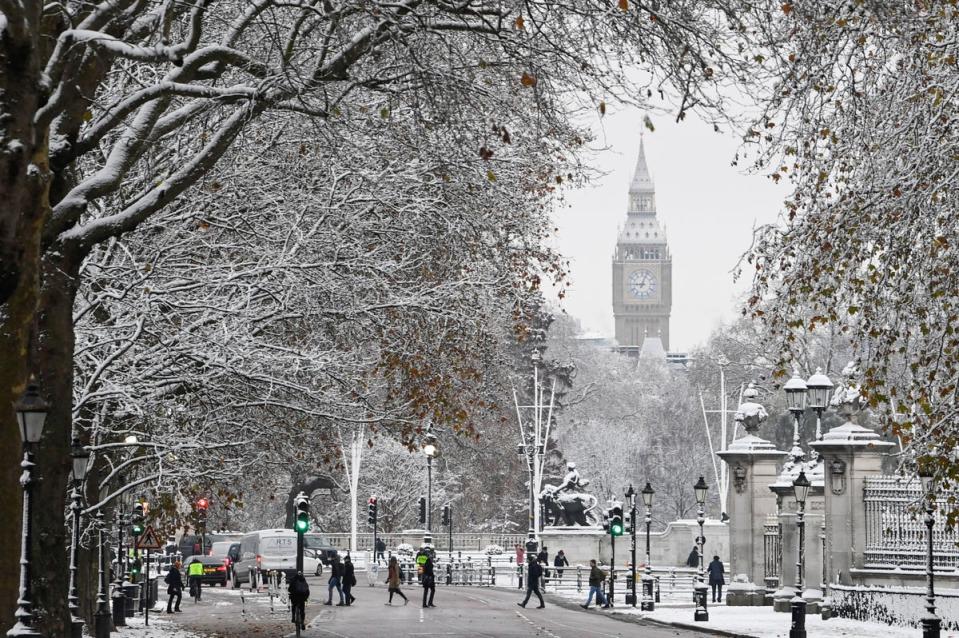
[(896, 529), (772, 553), (669, 583)]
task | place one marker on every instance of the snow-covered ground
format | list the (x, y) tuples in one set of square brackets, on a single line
[(159, 628)]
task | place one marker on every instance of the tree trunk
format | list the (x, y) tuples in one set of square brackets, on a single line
[(52, 362), (23, 188)]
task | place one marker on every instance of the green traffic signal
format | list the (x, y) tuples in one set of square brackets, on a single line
[(302, 524), (615, 529), (137, 530)]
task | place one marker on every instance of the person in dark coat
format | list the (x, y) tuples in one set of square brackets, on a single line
[(597, 578), (693, 559), (559, 562), (379, 550), (393, 580), (429, 583), (299, 591), (543, 559), (716, 580), (349, 580), (335, 581), (534, 571), (174, 581)]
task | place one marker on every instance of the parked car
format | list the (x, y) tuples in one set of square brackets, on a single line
[(214, 571), (270, 550)]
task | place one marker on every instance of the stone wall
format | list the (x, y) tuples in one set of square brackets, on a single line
[(903, 606)]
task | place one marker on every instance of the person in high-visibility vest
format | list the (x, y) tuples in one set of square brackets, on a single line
[(195, 576)]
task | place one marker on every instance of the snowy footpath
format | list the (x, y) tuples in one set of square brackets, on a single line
[(160, 627), (757, 622)]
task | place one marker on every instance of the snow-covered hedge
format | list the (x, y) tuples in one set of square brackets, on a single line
[(903, 606), (404, 549), (493, 550)]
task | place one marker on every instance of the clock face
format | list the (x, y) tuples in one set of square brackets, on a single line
[(641, 284)]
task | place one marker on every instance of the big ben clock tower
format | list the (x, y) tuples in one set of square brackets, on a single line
[(642, 268)]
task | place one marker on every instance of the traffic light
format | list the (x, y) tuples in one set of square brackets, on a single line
[(446, 515), (606, 521), (616, 525), (628, 522), (202, 504), (422, 510), (301, 505), (137, 520), (371, 509), (135, 567)]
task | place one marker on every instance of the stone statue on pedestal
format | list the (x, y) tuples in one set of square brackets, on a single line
[(567, 504)]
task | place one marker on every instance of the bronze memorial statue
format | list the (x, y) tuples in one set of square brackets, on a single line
[(567, 504)]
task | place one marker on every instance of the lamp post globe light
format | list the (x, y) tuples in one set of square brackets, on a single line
[(798, 603), (648, 601), (931, 624), (431, 450), (31, 412), (820, 388), (81, 462), (796, 396), (701, 614)]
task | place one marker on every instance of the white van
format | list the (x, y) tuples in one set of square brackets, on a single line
[(269, 550)]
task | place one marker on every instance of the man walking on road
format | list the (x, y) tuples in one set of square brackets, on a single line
[(596, 579), (716, 580), (174, 583), (429, 583), (534, 571), (335, 582)]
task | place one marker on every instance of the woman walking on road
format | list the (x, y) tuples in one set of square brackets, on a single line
[(393, 581), (349, 580), (429, 583)]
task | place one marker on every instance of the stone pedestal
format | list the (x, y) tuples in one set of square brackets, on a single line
[(851, 453), (582, 544), (753, 464)]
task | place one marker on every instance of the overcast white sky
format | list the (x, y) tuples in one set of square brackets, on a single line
[(709, 209)]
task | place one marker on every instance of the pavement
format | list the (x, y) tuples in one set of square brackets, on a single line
[(459, 611)]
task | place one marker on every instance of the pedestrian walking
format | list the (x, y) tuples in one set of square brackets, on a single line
[(429, 583), (596, 579), (519, 553), (174, 581), (716, 580), (299, 591), (379, 550), (393, 580), (559, 562), (693, 559), (335, 581), (534, 571), (349, 580)]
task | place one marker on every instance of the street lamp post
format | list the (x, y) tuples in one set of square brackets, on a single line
[(431, 451), (796, 395), (102, 622), (701, 613), (798, 603), (81, 461), (31, 412), (649, 603), (931, 624), (631, 499), (119, 594), (534, 433)]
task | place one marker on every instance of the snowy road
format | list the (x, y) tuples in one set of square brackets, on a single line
[(458, 612)]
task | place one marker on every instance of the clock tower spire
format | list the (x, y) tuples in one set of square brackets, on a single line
[(642, 268)]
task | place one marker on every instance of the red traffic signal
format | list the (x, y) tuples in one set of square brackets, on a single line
[(202, 503), (372, 500)]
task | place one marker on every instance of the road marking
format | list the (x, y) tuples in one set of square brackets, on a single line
[(479, 600), (545, 631), (421, 614)]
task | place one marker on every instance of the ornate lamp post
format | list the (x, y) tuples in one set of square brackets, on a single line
[(431, 450), (649, 603), (81, 461), (31, 412), (631, 500), (701, 613), (819, 387), (798, 603), (796, 394), (102, 621), (931, 623)]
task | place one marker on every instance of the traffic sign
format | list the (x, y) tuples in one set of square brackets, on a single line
[(148, 540)]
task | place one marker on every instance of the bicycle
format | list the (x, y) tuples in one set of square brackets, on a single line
[(298, 618)]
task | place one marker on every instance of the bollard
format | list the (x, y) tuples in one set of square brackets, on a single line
[(131, 591), (519, 572), (492, 576), (657, 588), (579, 578), (119, 607)]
